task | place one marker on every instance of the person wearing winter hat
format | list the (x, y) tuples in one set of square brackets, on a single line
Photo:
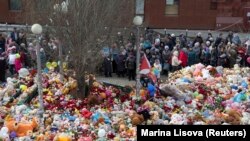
[(166, 57), (191, 57), (198, 39), (175, 61), (43, 57), (2, 42), (157, 65), (197, 50), (218, 40), (205, 53), (11, 62), (183, 57), (18, 63)]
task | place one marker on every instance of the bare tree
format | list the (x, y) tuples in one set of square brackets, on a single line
[(79, 26)]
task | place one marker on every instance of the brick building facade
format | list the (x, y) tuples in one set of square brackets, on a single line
[(171, 14), (9, 10), (198, 14), (14, 12)]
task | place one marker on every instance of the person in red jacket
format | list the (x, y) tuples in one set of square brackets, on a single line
[(183, 57)]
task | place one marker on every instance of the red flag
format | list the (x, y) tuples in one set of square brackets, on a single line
[(152, 77), (145, 66)]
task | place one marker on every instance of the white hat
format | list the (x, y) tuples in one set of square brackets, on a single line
[(166, 47), (22, 44), (30, 44), (208, 43), (176, 53), (199, 34), (172, 35), (196, 44)]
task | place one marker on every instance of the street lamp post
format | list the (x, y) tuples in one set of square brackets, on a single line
[(61, 62), (37, 30), (138, 22)]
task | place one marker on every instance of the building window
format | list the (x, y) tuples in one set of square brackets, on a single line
[(42, 5), (248, 17), (172, 7), (213, 5), (15, 4), (140, 6)]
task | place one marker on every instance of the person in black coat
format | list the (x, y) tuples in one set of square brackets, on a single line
[(3, 66), (107, 67), (198, 39), (131, 66), (218, 40), (120, 63), (2, 42), (14, 35)]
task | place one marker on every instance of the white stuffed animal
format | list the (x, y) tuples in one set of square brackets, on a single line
[(4, 134), (245, 120), (205, 73)]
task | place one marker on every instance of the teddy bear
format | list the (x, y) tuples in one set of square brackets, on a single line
[(22, 128), (149, 104), (177, 119), (233, 117), (4, 134), (62, 137), (245, 120), (137, 119), (198, 69)]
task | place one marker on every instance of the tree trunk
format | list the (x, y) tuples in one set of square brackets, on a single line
[(81, 86)]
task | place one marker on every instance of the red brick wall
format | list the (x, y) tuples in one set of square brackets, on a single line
[(7, 15), (193, 14)]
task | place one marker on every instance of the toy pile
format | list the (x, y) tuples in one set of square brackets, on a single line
[(196, 95)]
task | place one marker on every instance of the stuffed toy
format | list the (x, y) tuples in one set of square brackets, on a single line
[(4, 134), (149, 104), (170, 90), (245, 120), (137, 119), (198, 69), (93, 100), (233, 117), (62, 137), (205, 73), (24, 129), (177, 119)]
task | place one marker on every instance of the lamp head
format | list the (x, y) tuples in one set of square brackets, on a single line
[(36, 29), (137, 20)]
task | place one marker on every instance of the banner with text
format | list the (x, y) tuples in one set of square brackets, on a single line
[(197, 132)]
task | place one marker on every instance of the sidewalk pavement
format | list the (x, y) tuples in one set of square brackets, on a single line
[(121, 81)]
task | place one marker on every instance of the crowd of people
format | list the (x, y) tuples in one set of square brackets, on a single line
[(17, 52), (168, 53)]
